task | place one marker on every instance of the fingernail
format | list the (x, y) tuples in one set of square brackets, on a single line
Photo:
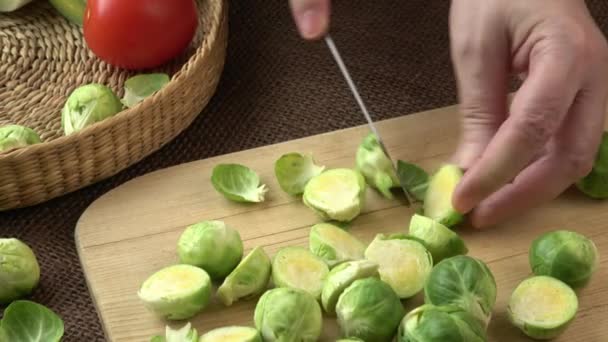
[(309, 23)]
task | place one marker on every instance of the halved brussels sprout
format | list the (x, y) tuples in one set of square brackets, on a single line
[(565, 255), (341, 277), (15, 136), (334, 245), (87, 105), (413, 178), (437, 238), (376, 167), (542, 307), (438, 198), (212, 246), (430, 323), (238, 183), (184, 334), (404, 263), (249, 278), (369, 309), (19, 270), (336, 194), (232, 334), (464, 282), (298, 268), (595, 184), (176, 292), (287, 314), (294, 170)]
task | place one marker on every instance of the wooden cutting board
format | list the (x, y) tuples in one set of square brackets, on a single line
[(132, 231)]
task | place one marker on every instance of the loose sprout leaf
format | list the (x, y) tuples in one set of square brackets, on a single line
[(294, 170), (15, 136), (26, 321), (238, 183), (137, 88), (376, 167), (413, 178)]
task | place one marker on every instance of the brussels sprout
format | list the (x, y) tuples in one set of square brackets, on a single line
[(437, 238), (176, 292), (72, 10), (376, 167), (464, 282), (542, 307), (232, 334), (404, 263), (238, 183), (565, 255), (212, 246), (336, 194), (287, 314), (298, 268), (350, 339), (294, 170), (137, 88), (249, 278), (184, 334), (413, 178), (87, 105), (369, 309), (438, 197), (595, 184), (15, 136), (430, 323), (19, 270), (334, 245), (341, 277)]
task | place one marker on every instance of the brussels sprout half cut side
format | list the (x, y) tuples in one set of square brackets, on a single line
[(542, 307), (176, 292), (336, 194), (15, 136), (238, 183), (376, 167), (287, 314), (565, 255), (334, 245), (249, 278), (404, 263), (430, 323), (232, 334), (19, 270), (341, 277), (298, 268), (438, 197), (437, 238), (294, 170), (595, 184), (369, 309)]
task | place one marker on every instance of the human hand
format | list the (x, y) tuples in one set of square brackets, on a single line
[(520, 156), (311, 17)]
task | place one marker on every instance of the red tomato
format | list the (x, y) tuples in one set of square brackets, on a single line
[(139, 34)]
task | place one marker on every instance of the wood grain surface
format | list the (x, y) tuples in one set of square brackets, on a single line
[(132, 231)]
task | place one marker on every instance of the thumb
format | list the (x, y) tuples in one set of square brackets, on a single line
[(311, 17)]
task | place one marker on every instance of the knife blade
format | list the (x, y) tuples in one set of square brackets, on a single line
[(334, 51)]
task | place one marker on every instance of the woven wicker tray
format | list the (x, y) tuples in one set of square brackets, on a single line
[(43, 58)]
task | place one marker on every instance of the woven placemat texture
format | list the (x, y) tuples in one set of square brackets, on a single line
[(275, 87)]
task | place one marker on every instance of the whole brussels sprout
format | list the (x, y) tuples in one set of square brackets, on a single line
[(542, 307), (464, 282), (404, 263), (87, 105), (298, 268), (336, 194), (294, 170), (341, 277), (595, 184), (249, 278), (334, 245), (438, 197), (430, 323), (369, 309), (287, 314), (19, 270), (232, 334), (376, 167), (15, 136), (212, 246), (437, 238), (176, 292), (565, 255)]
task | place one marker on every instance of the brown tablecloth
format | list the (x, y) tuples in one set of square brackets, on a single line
[(275, 87)]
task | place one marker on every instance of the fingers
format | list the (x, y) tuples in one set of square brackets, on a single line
[(311, 17), (538, 110)]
